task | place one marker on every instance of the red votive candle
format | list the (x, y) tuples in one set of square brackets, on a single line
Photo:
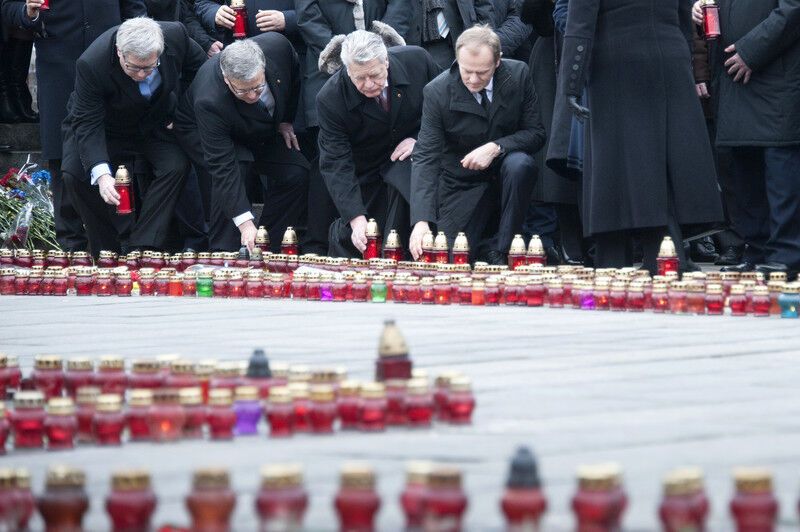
[(80, 372), (373, 408), (685, 505), (357, 502), (109, 420), (754, 507), (131, 503), (64, 501), (600, 500), (445, 502), (211, 501), (191, 400), (27, 420), (418, 403), (61, 425), (282, 500), (221, 417), (139, 403), (48, 375), (460, 401), (348, 404), (280, 412), (166, 417), (111, 376), (323, 409)]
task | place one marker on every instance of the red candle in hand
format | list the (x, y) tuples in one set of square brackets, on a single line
[(122, 184), (373, 249), (240, 24), (711, 29), (45, 6)]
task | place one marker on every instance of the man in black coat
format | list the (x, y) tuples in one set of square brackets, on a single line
[(437, 25), (237, 116), (369, 115), (62, 34), (184, 11), (127, 87), (473, 168), (757, 77)]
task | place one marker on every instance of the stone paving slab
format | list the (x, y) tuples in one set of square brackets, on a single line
[(652, 392)]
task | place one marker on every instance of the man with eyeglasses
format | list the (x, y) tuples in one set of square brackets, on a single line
[(237, 117), (369, 116), (126, 89)]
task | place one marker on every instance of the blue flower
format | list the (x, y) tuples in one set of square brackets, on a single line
[(41, 176)]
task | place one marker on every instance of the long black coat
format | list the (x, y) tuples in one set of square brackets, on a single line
[(766, 111), (356, 137), (232, 130), (459, 14), (181, 11), (454, 124), (320, 20), (107, 102), (62, 35), (512, 31), (647, 131)]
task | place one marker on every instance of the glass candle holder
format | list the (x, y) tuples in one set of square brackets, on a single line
[(378, 290), (636, 300), (109, 420), (107, 259), (600, 500), (145, 374), (280, 412), (754, 507), (282, 500), (48, 375), (166, 416), (5, 428), (235, 285), (111, 376), (205, 284), (393, 361), (86, 400), (440, 394), (396, 402), (211, 501), (27, 420), (161, 285), (220, 283), (301, 403), (684, 505), (64, 501), (60, 425), (80, 372), (711, 27), (194, 410), (373, 408), (511, 292), (181, 375), (413, 290), (139, 404), (789, 300), (445, 502), (761, 302), (534, 292), (418, 403), (348, 404), (357, 503), (221, 417), (555, 294), (247, 409), (677, 298), (660, 298), (517, 253), (695, 298), (460, 401), (24, 500), (131, 503), (323, 409), (412, 498), (523, 502)]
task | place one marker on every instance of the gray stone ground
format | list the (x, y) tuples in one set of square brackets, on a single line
[(651, 392)]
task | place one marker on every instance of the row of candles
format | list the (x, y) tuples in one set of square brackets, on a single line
[(433, 499)]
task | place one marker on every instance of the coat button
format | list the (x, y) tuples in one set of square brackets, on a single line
[(580, 48), (578, 57), (575, 67)]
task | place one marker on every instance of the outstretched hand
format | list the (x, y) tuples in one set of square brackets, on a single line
[(580, 112)]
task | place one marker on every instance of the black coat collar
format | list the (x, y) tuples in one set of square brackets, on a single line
[(462, 100), (398, 81)]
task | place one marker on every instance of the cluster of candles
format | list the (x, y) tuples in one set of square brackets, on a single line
[(433, 498), (527, 281), (180, 400)]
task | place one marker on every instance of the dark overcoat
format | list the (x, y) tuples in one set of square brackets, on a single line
[(320, 20), (181, 11), (62, 35), (454, 124), (231, 130), (459, 14), (513, 32), (107, 102), (647, 132), (766, 111), (356, 137)]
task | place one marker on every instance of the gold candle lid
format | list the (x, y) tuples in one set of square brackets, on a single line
[(392, 240), (6, 478), (461, 244), (280, 476), (29, 399), (246, 393), (211, 478), (87, 395), (166, 396), (517, 246), (22, 478), (48, 362), (417, 386), (427, 240), (166, 360), (535, 246), (761, 290), (145, 366), (280, 395), (752, 480), (262, 236), (130, 480), (599, 477), (392, 343), (220, 397), (684, 481), (417, 472), (299, 373), (191, 396), (373, 390), (737, 289), (322, 393), (109, 402), (105, 254), (111, 362), (444, 378), (65, 477), (182, 367), (444, 477), (227, 369), (79, 364), (460, 384), (299, 390), (349, 388), (372, 228), (715, 289), (357, 475), (289, 236), (122, 177), (440, 242), (141, 397), (667, 249), (791, 288), (60, 406)]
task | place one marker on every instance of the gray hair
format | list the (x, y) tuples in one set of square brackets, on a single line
[(140, 37), (242, 60), (362, 47)]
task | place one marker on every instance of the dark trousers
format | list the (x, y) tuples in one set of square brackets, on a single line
[(148, 226), (191, 215), (765, 203), (323, 213), (489, 211), (541, 219), (385, 195), (70, 233)]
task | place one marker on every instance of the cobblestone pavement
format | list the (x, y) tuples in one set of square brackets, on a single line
[(651, 392)]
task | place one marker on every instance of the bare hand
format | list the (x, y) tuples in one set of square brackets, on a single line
[(270, 20), (702, 90), (697, 13), (737, 67), (214, 49), (580, 112), (359, 234), (248, 231), (225, 17), (415, 240), (481, 157), (287, 132), (403, 150), (105, 185), (32, 8)]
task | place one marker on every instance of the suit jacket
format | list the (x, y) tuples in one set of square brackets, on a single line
[(207, 10), (62, 34), (320, 20), (226, 124), (106, 102), (454, 123), (459, 14), (181, 11), (356, 136)]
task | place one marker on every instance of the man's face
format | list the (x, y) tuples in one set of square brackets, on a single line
[(476, 66), (249, 91), (138, 68), (370, 77)]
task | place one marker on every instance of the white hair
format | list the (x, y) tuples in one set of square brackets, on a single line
[(362, 47), (242, 60), (140, 37)]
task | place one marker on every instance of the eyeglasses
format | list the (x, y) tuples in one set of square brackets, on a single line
[(137, 69), (258, 89)]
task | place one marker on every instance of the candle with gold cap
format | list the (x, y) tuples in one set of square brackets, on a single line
[(64, 501), (373, 249), (392, 247), (685, 505), (357, 503), (600, 499), (122, 184), (211, 501), (461, 249), (393, 360), (289, 242), (667, 259), (428, 254), (517, 253), (131, 503), (535, 253), (282, 500), (754, 507)]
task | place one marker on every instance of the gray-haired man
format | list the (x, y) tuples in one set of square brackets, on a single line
[(237, 116), (126, 89)]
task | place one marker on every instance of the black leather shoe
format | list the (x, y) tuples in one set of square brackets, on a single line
[(731, 256), (773, 267), (703, 250), (690, 266), (744, 266), (553, 256), (497, 258)]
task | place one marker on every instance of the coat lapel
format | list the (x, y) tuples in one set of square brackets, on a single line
[(501, 81), (275, 84), (398, 85)]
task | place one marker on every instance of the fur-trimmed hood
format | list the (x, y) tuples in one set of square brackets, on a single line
[(330, 59)]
